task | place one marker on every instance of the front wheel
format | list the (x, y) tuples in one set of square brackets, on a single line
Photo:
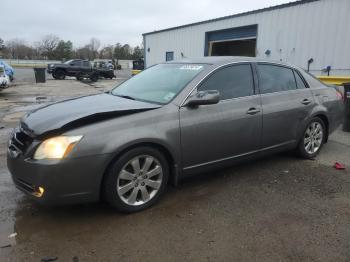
[(313, 139), (59, 74), (136, 180)]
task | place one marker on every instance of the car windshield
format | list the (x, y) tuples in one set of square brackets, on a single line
[(158, 84)]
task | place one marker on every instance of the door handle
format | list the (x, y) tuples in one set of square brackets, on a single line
[(253, 111), (306, 101)]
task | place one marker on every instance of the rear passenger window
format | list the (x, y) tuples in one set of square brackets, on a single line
[(232, 82), (275, 79), (86, 63), (77, 63), (300, 82)]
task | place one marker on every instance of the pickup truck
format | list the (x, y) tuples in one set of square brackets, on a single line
[(78, 68), (69, 68)]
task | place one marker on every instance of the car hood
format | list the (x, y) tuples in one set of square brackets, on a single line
[(57, 64), (62, 116)]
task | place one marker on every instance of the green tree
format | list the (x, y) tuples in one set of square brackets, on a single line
[(117, 51), (63, 50), (137, 53), (1, 44), (122, 51)]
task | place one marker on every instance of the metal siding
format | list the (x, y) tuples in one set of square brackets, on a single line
[(294, 34)]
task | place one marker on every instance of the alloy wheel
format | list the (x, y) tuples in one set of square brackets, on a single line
[(139, 180), (313, 138)]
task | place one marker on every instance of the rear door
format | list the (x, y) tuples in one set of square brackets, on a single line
[(286, 102), (223, 131)]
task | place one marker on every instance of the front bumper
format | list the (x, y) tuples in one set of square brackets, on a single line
[(66, 181), (50, 70)]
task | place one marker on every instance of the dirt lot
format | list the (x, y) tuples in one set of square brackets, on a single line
[(280, 208)]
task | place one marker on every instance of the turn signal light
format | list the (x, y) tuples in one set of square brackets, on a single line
[(39, 191)]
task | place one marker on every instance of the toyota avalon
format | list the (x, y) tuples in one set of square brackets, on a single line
[(171, 120)]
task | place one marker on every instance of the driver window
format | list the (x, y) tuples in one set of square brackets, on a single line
[(232, 82)]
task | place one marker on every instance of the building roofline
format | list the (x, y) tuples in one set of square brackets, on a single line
[(299, 2)]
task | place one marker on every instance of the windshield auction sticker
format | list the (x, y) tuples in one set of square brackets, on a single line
[(191, 67)]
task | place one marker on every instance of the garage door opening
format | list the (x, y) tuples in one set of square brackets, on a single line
[(236, 41), (244, 47)]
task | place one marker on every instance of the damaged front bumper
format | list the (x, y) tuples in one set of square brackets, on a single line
[(65, 181)]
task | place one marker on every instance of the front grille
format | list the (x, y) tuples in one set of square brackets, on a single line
[(20, 140)]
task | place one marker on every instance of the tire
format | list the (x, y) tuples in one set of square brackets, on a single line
[(129, 190), (94, 78), (59, 74), (80, 77), (310, 150)]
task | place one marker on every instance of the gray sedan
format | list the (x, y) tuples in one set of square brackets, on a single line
[(170, 121)]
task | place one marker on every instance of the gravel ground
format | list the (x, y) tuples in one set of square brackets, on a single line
[(280, 208)]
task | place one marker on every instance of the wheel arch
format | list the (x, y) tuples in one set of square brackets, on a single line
[(323, 116), (325, 120), (60, 69)]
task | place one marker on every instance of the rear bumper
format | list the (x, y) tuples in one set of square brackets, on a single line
[(338, 118), (65, 181)]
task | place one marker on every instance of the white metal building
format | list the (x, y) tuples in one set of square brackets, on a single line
[(296, 32)]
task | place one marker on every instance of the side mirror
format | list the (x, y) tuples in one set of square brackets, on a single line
[(208, 97)]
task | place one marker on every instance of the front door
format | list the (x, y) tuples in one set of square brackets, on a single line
[(223, 131)]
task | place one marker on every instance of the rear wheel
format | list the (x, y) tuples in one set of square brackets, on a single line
[(80, 77), (136, 180), (94, 77), (313, 139), (59, 74)]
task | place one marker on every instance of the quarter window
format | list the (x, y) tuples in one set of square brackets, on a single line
[(275, 79), (300, 82), (232, 82)]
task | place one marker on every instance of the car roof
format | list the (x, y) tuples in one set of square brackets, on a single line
[(220, 60)]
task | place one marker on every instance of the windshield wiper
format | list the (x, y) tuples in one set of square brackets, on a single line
[(127, 97)]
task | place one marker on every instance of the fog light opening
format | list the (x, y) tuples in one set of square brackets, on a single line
[(39, 191)]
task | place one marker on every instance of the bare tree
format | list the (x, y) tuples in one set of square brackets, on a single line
[(94, 44), (106, 52), (18, 49), (48, 45)]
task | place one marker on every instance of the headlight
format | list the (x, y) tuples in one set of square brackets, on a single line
[(56, 147)]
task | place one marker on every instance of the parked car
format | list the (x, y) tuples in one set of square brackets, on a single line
[(9, 71), (105, 70), (169, 121), (76, 67), (4, 78)]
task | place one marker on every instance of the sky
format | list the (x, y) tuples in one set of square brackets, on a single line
[(111, 21)]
